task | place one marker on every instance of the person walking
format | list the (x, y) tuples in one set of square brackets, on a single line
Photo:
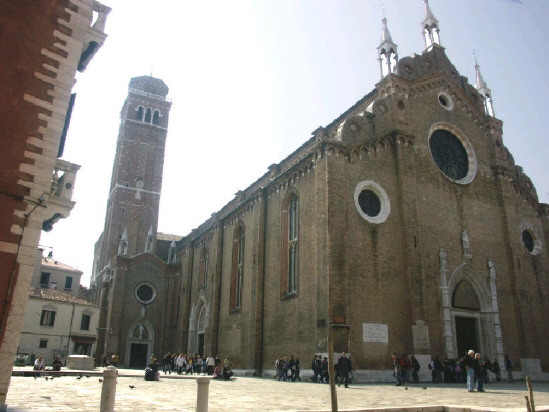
[(496, 370), (397, 369), (345, 366), (316, 367), (480, 372), (415, 369), (509, 368), (210, 364), (469, 363)]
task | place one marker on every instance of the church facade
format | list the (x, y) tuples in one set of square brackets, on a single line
[(403, 226)]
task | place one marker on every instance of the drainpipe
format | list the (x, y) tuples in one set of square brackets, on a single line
[(70, 331)]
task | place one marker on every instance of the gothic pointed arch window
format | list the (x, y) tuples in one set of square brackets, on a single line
[(139, 113), (156, 117), (203, 268), (237, 269), (148, 114), (289, 278), (464, 297)]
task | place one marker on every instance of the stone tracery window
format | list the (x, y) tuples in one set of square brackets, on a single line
[(289, 274), (237, 271), (203, 267)]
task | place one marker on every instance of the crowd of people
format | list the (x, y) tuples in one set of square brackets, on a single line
[(197, 365), (472, 369), (452, 370), (288, 369)]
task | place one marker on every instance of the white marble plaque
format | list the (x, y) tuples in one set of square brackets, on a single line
[(375, 332)]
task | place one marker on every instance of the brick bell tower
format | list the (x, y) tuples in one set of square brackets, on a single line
[(132, 207)]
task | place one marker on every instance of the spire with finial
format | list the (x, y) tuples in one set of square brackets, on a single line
[(387, 51), (484, 90), (429, 26)]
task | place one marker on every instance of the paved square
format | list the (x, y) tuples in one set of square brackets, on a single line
[(178, 393)]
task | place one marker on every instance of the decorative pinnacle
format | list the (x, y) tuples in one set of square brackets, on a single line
[(385, 35), (481, 84), (429, 17)]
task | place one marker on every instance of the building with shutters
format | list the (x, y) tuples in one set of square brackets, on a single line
[(43, 45)]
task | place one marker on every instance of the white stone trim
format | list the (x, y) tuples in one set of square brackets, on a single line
[(449, 100), (383, 199)]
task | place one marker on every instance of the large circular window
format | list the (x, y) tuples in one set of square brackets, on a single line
[(145, 293), (372, 202), (452, 153)]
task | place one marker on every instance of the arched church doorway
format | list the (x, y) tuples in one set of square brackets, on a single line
[(201, 344), (140, 344), (466, 309), (138, 355), (200, 330)]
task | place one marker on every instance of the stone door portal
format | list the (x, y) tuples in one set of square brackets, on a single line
[(138, 355), (466, 335)]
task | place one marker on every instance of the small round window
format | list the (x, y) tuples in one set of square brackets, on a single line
[(445, 101), (145, 293), (371, 202)]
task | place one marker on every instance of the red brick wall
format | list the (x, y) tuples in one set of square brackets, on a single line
[(27, 27)]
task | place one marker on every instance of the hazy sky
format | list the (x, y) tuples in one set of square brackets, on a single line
[(250, 81)]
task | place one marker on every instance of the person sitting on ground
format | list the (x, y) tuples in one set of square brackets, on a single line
[(39, 364), (218, 372), (56, 365), (227, 371)]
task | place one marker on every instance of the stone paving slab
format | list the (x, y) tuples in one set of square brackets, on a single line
[(178, 393)]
